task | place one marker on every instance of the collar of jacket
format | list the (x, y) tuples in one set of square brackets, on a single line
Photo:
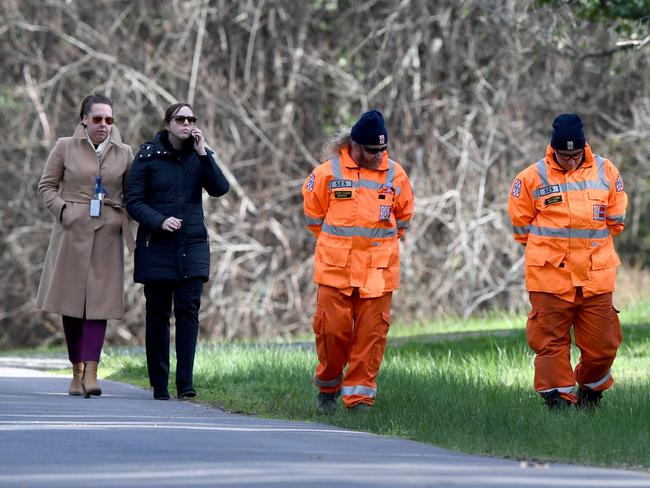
[(162, 139), (114, 136), (587, 163), (348, 162)]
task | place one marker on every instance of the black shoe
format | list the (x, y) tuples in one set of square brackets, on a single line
[(160, 393), (326, 403), (360, 408), (588, 398), (554, 400), (183, 395)]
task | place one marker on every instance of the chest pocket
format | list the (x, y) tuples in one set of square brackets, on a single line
[(342, 203)]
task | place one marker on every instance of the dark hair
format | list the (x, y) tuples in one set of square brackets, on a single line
[(90, 100), (173, 110)]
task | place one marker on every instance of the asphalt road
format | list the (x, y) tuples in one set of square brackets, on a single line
[(126, 439)]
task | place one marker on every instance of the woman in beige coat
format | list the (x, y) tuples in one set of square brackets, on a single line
[(83, 276)]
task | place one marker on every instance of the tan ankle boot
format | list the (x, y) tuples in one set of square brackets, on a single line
[(89, 380), (75, 385)]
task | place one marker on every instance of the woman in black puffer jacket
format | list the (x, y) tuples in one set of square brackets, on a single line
[(172, 256)]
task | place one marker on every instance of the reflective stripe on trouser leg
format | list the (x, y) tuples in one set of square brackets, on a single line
[(597, 333), (548, 332), (371, 323), (333, 331)]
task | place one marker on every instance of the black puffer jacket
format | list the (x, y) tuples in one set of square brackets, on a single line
[(165, 183)]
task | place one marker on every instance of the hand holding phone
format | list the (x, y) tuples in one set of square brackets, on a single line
[(199, 141)]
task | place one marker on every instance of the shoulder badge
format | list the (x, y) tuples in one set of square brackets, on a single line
[(310, 182), (620, 186), (516, 188)]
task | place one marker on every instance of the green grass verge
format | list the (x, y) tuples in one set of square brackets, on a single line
[(472, 394)]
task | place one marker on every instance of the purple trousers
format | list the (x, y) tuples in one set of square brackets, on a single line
[(84, 338)]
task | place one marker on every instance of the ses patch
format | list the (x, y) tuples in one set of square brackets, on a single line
[(620, 186), (384, 212), (600, 212), (334, 184), (548, 190), (343, 194), (516, 188), (553, 199), (310, 182)]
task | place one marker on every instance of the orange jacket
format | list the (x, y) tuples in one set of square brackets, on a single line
[(357, 215), (567, 219)]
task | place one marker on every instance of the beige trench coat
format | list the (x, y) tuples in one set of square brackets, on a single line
[(83, 274)]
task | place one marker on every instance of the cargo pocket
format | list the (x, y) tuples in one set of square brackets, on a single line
[(379, 347), (380, 259), (318, 326), (334, 256), (604, 258), (531, 331)]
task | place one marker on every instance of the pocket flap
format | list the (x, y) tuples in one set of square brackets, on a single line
[(334, 256), (539, 257), (604, 259), (380, 259), (386, 317)]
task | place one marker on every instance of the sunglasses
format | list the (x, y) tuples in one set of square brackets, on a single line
[(570, 157), (98, 120), (374, 149), (180, 119)]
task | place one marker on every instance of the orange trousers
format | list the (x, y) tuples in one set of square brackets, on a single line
[(351, 331), (597, 334)]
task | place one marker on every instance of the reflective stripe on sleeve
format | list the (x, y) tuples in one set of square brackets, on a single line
[(359, 390), (402, 224), (521, 231), (619, 219), (313, 221), (369, 232)]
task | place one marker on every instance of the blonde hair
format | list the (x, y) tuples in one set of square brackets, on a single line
[(334, 144)]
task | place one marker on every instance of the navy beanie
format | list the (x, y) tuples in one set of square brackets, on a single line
[(567, 133), (370, 129)]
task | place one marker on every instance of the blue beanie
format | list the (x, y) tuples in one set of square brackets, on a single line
[(370, 129), (567, 133)]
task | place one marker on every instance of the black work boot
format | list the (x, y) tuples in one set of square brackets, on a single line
[(326, 403), (360, 408), (588, 398), (554, 400)]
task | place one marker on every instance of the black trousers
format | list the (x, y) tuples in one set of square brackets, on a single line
[(186, 297)]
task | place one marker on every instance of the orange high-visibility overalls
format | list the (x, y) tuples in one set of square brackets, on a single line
[(357, 215), (567, 219)]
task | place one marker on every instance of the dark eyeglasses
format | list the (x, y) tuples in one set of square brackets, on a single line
[(374, 149), (98, 120), (570, 157), (180, 119)]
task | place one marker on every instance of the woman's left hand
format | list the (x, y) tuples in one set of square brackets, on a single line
[(199, 141)]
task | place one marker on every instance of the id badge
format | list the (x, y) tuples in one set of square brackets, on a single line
[(95, 207)]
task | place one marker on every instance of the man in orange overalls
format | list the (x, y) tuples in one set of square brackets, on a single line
[(357, 204), (565, 209)]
